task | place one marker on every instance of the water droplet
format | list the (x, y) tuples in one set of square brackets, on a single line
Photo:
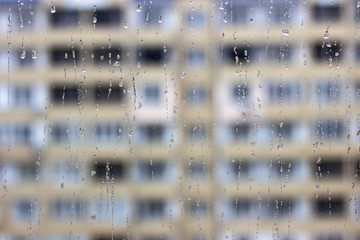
[(94, 19), (97, 107), (121, 84), (318, 160), (93, 172), (23, 54), (225, 19), (138, 65), (326, 34), (52, 9), (285, 32), (62, 186), (116, 64), (337, 54), (93, 217), (33, 54), (125, 25), (66, 55), (358, 4), (251, 21), (182, 75), (160, 19), (138, 8)]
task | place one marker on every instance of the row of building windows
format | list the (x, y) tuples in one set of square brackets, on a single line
[(152, 94), (157, 55), (161, 15), (111, 209), (234, 236), (72, 174), (114, 132)]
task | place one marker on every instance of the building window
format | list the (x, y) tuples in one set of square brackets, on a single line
[(151, 209), (152, 94), (64, 18), (152, 133), (328, 168), (64, 94), (325, 207), (108, 17), (240, 92), (109, 94), (152, 171), (329, 52), (108, 132), (198, 171), (237, 54), (109, 171), (152, 55), (24, 210), (324, 12), (65, 209), (241, 132), (329, 129), (106, 55), (196, 96), (62, 56)]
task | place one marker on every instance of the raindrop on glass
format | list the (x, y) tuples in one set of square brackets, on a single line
[(138, 65), (94, 19), (160, 19), (23, 54), (52, 9), (125, 25), (116, 64), (326, 34), (285, 32), (182, 75), (251, 21), (138, 8), (33, 54)]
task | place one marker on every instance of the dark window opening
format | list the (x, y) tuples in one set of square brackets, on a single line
[(239, 170), (64, 56), (282, 130), (151, 55), (152, 133), (149, 209), (241, 207), (64, 18), (109, 56), (114, 171), (326, 13), (109, 17), (325, 207), (64, 94), (329, 168), (240, 131), (237, 54), (328, 51), (110, 94)]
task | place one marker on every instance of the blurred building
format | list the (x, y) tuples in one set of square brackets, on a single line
[(169, 119)]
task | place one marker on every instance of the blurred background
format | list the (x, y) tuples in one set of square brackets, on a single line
[(187, 119)]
